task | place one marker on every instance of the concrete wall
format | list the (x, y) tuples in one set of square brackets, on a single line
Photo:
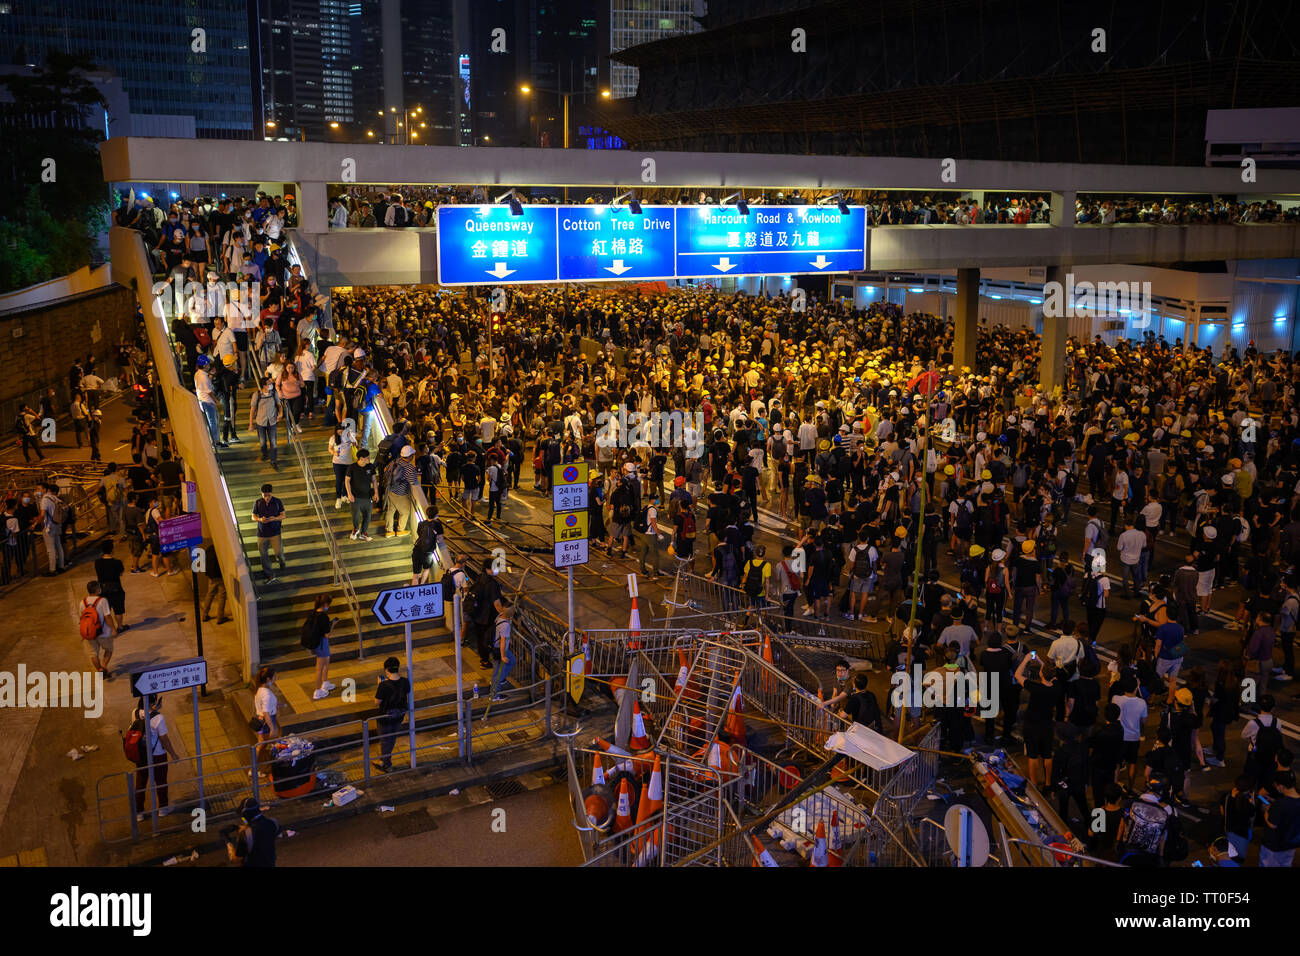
[(37, 345), (83, 280)]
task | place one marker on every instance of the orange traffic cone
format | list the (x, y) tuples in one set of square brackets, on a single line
[(643, 815), (835, 848), (634, 626), (623, 817), (656, 791), (764, 857), (614, 751), (683, 668), (735, 723), (639, 740), (649, 851), (817, 857), (597, 772)]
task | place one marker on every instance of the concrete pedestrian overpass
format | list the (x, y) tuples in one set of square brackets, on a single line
[(381, 256)]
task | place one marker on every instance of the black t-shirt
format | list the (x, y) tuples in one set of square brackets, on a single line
[(108, 571), (170, 475), (1042, 701), (1086, 692), (863, 708), (362, 478), (391, 694), (140, 477), (1105, 745)]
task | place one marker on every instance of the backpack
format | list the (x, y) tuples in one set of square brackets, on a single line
[(1288, 614), (1103, 536), (642, 520), (1268, 741), (862, 562), (754, 577), (1020, 477), (133, 742), (1147, 824), (90, 623), (60, 512), (688, 525), (1070, 485), (1091, 591), (996, 512), (994, 584), (1069, 584), (308, 638), (623, 513), (728, 569), (963, 516)]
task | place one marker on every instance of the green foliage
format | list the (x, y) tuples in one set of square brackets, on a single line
[(48, 229)]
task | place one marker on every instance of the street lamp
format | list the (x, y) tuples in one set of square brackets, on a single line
[(564, 95)]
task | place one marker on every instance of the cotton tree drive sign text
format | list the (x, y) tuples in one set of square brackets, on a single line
[(603, 242)]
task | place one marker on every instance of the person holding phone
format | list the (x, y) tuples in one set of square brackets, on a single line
[(316, 632)]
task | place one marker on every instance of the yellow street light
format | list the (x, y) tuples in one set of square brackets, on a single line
[(423, 125), (370, 132), (525, 89), (270, 124), (605, 93), (334, 125)]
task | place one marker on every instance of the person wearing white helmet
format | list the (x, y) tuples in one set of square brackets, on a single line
[(1096, 590)]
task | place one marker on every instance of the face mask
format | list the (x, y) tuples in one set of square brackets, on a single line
[(27, 501)]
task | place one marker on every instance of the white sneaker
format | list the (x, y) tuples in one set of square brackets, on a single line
[(328, 685), (320, 694), (338, 504), (353, 536)]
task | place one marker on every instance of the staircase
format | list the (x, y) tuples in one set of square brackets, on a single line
[(283, 605)]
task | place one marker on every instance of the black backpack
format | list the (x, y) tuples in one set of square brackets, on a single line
[(1091, 591), (308, 637), (1268, 741), (754, 577), (642, 520)]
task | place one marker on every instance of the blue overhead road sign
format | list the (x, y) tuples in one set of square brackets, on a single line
[(480, 244), (599, 242), (719, 241)]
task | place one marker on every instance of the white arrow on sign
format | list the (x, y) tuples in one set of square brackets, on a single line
[(821, 262), (500, 271), (618, 268), (724, 264)]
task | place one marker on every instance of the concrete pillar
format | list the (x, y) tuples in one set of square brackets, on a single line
[(313, 208), (966, 320), (1056, 329), (1062, 213)]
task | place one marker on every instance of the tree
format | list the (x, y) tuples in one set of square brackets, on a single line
[(50, 153)]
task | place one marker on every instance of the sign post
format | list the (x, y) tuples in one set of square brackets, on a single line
[(421, 602), (192, 673), (571, 525), (185, 532), (460, 681)]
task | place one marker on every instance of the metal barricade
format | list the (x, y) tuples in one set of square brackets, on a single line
[(891, 837)]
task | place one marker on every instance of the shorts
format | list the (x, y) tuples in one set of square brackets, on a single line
[(859, 585), (617, 530), (1038, 741), (99, 647), (116, 600), (241, 340), (962, 534), (419, 563), (323, 648), (155, 548), (470, 494), (817, 589), (1168, 668), (135, 544), (1128, 751), (1204, 583)]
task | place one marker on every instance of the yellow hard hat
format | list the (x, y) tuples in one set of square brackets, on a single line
[(900, 532), (1027, 545), (986, 475), (1187, 434), (976, 550), (949, 470), (1131, 436)]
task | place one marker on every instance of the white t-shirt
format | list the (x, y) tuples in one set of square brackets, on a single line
[(203, 387), (100, 605), (341, 451), (1121, 486), (157, 730), (264, 701), (306, 366)]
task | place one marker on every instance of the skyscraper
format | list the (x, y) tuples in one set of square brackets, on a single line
[(634, 22), (190, 59)]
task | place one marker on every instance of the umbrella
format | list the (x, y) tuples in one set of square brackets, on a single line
[(927, 383)]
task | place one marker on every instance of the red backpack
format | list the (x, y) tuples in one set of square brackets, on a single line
[(133, 742), (91, 623)]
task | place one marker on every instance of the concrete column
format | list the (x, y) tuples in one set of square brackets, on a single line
[(313, 208), (966, 320), (1051, 368), (1062, 213)]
